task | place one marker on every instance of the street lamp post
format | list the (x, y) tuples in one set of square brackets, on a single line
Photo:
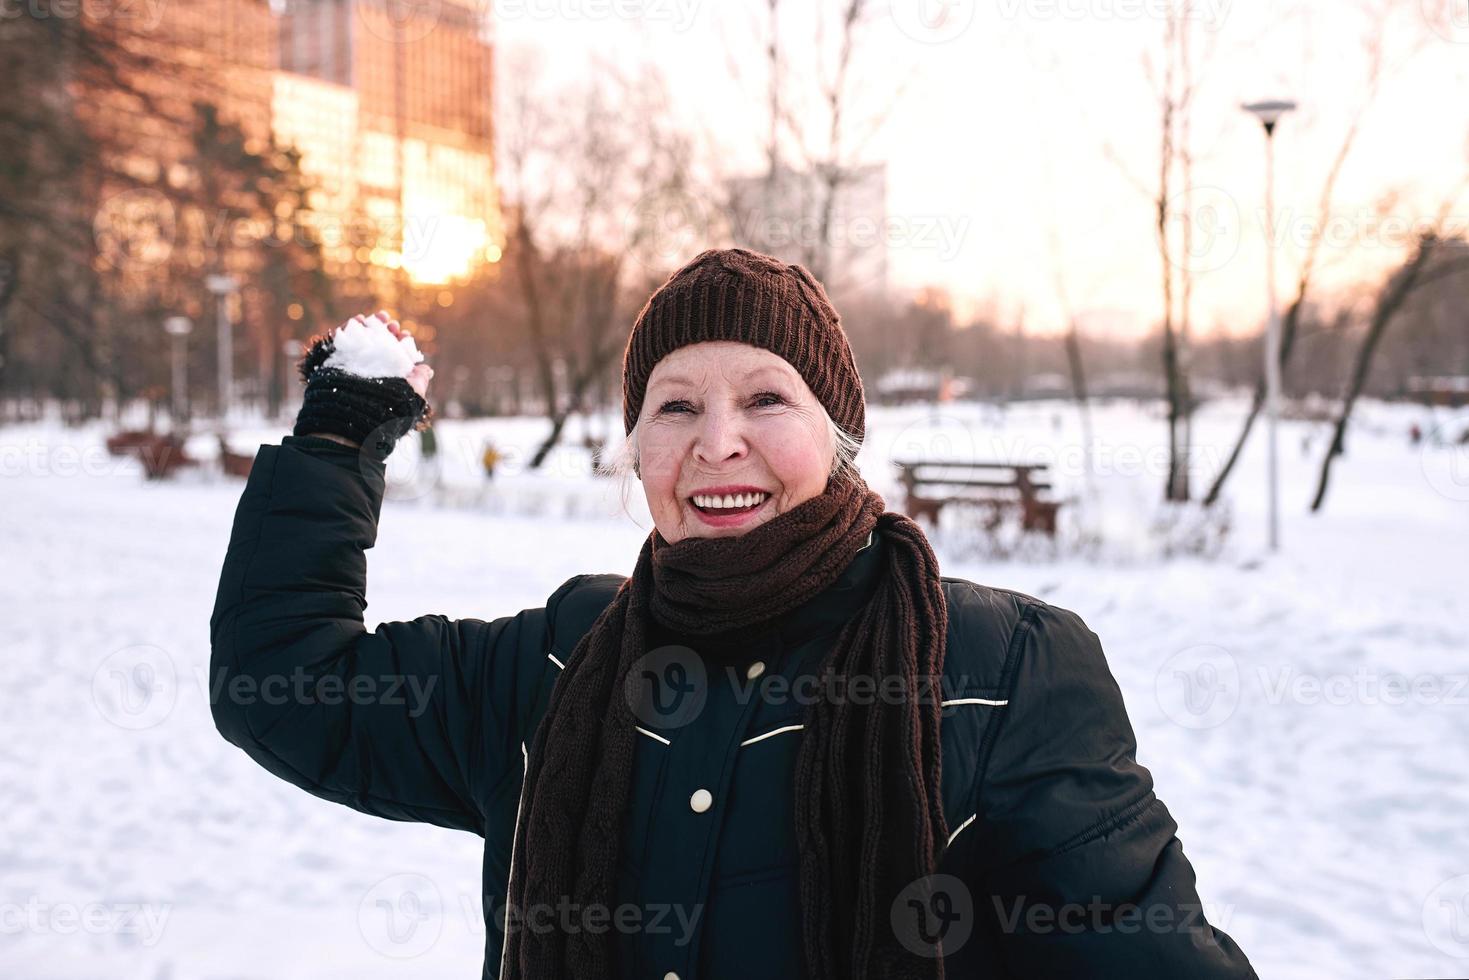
[(1269, 114), (178, 328), (221, 287)]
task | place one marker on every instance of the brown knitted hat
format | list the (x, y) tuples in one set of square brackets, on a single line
[(744, 296)]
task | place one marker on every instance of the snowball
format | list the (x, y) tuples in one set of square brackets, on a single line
[(367, 348)]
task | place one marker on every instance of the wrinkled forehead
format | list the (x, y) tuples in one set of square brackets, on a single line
[(711, 363)]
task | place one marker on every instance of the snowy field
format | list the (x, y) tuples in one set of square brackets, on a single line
[(1305, 715)]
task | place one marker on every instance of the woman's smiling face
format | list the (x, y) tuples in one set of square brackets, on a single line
[(726, 423)]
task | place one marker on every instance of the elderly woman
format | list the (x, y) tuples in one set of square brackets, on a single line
[(785, 746)]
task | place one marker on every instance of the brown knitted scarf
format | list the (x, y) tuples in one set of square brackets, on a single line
[(867, 806)]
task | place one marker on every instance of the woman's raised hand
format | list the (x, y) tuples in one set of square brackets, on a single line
[(354, 385)]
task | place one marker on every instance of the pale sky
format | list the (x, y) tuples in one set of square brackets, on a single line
[(1018, 128)]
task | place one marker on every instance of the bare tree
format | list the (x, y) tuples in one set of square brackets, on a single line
[(1176, 91), (588, 197), (1417, 271), (1376, 74), (1175, 86), (1074, 362), (825, 120)]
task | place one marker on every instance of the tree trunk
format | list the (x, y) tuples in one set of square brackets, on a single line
[(1287, 338), (1390, 302)]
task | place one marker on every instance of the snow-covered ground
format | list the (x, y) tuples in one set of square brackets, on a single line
[(1306, 715)]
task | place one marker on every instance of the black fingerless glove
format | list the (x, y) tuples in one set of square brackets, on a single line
[(373, 412)]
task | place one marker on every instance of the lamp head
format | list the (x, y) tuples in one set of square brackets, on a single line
[(1269, 112)]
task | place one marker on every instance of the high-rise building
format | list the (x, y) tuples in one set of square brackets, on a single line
[(390, 106)]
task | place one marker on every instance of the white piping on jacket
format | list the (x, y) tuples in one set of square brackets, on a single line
[(777, 731), (510, 873), (552, 657), (652, 735), (998, 704), (962, 826)]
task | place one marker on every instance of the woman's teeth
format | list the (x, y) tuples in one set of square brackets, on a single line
[(735, 501)]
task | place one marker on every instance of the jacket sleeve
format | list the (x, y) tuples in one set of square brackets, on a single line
[(1081, 873), (414, 720)]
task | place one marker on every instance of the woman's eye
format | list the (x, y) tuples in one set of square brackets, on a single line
[(765, 399)]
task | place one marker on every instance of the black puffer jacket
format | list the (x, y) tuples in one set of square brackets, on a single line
[(1062, 861)]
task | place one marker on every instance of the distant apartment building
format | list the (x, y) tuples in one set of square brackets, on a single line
[(390, 106), (837, 228)]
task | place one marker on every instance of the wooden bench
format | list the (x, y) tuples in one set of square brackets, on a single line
[(931, 485), (160, 453), (233, 463)]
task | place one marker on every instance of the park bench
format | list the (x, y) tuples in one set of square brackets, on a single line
[(160, 453), (931, 485), (233, 463)]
